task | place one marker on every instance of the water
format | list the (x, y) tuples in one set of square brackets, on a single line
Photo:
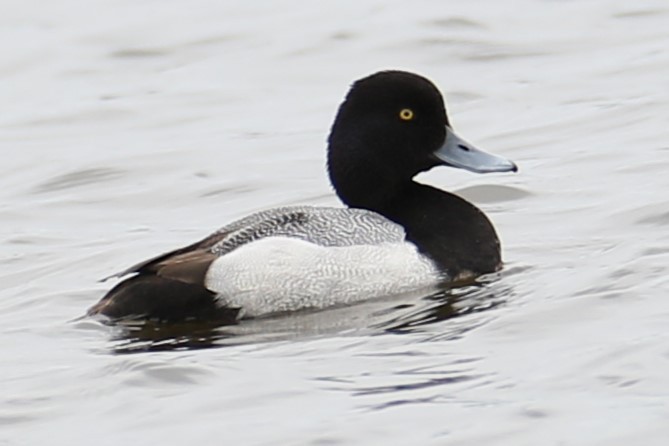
[(130, 128)]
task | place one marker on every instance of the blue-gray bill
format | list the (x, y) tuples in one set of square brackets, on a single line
[(457, 152)]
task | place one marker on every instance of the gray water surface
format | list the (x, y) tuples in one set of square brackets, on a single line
[(130, 128)]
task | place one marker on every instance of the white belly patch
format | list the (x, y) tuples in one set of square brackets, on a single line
[(277, 274)]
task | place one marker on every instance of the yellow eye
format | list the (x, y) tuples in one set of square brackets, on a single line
[(406, 114)]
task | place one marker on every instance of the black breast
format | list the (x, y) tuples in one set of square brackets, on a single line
[(454, 233)]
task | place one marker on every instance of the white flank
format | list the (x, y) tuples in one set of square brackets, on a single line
[(278, 274)]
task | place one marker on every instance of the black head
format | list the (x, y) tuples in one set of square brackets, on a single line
[(392, 119), (391, 126)]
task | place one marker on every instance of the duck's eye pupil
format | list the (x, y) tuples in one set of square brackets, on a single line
[(406, 114)]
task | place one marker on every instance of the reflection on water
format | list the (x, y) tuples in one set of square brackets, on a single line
[(160, 337), (400, 314), (79, 178)]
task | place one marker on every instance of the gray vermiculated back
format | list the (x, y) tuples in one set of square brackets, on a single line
[(320, 225)]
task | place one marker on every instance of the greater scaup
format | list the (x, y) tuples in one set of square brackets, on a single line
[(396, 235)]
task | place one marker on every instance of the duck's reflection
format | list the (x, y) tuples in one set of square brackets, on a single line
[(401, 314)]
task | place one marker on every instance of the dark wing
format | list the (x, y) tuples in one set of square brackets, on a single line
[(180, 256), (189, 263), (323, 226)]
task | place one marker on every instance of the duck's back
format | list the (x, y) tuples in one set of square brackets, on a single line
[(322, 226)]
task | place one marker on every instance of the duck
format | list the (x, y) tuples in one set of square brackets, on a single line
[(394, 235)]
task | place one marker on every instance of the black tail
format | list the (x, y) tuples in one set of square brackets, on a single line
[(156, 298)]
